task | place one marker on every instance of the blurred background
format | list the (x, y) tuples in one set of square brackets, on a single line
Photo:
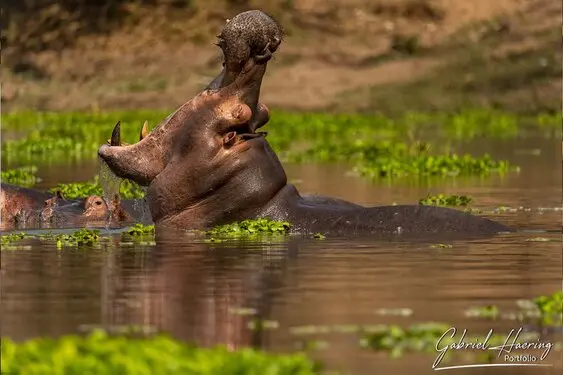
[(339, 55)]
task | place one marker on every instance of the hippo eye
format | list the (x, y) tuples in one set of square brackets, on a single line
[(98, 203)]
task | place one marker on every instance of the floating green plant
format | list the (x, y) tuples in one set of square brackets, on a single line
[(441, 246), (141, 229), (81, 237), (24, 176), (550, 304), (429, 165), (395, 312), (427, 337), (243, 311), (78, 238), (488, 311), (262, 324), (446, 200), (6, 240), (545, 310), (127, 189), (100, 353), (319, 236), (249, 228)]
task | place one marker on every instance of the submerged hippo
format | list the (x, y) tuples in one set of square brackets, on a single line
[(28, 208), (206, 164)]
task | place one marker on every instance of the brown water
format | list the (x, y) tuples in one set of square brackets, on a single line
[(188, 288)]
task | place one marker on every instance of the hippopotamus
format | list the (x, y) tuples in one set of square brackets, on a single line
[(206, 164), (29, 208)]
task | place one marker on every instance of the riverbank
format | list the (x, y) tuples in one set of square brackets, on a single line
[(419, 55)]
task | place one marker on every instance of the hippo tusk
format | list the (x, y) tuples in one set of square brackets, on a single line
[(116, 135), (144, 131)]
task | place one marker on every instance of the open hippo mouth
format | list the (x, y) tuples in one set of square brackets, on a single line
[(210, 144), (228, 108)]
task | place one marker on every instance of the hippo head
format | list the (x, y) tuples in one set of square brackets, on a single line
[(205, 163)]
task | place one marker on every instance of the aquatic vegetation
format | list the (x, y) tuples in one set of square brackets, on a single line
[(58, 137), (81, 237), (551, 305), (319, 236), (309, 344), (446, 200), (384, 158), (488, 311), (377, 145), (538, 239), (140, 230), (423, 337), (419, 337), (100, 353), (84, 237), (397, 340), (550, 120), (243, 311), (24, 176), (262, 324), (441, 246), (250, 228), (64, 136), (395, 312), (78, 238), (480, 122), (44, 149), (127, 190), (138, 234), (545, 310), (6, 240), (429, 165)]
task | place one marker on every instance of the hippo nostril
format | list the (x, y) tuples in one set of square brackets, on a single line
[(265, 55), (98, 203)]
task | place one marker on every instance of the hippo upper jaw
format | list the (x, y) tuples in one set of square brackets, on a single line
[(236, 89)]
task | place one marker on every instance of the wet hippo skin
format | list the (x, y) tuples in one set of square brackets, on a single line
[(206, 164), (29, 208)]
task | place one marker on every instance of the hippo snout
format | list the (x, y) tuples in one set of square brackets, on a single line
[(251, 34)]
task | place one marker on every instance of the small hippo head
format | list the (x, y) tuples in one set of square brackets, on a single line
[(206, 162)]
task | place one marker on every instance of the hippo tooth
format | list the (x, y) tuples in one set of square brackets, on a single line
[(116, 135), (144, 131)]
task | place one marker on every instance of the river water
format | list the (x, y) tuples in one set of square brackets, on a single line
[(189, 289)]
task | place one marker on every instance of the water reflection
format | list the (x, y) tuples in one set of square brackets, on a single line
[(190, 289)]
